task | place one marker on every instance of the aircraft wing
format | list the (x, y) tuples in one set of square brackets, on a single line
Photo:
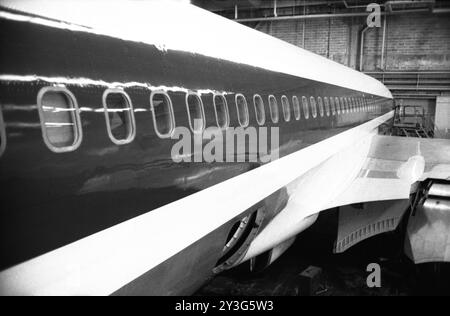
[(391, 168), (393, 164), (384, 170)]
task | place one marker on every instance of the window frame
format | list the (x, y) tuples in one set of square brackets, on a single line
[(132, 135), (272, 97), (247, 122), (226, 110), (321, 106), (2, 133), (326, 103), (286, 114), (313, 103), (198, 96), (172, 116), (263, 121), (332, 106), (305, 106), (75, 117), (297, 108), (343, 105), (337, 102)]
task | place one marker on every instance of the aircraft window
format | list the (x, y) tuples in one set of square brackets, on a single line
[(305, 107), (338, 105), (259, 109), (273, 105), (119, 116), (343, 106), (321, 109), (296, 105), (2, 134), (313, 107), (195, 112), (242, 109), (221, 110), (60, 119), (162, 112), (333, 106), (327, 106), (286, 108)]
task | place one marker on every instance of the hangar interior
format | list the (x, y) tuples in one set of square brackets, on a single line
[(408, 49)]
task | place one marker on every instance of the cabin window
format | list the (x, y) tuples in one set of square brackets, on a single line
[(162, 112), (221, 111), (273, 106), (338, 105), (196, 113), (313, 107), (321, 109), (2, 134), (260, 111), (286, 108), (327, 106), (119, 116), (333, 106), (242, 110), (352, 104), (296, 105), (305, 107), (343, 106), (60, 119)]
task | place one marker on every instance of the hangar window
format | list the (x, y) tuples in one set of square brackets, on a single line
[(286, 108), (321, 109), (347, 105), (305, 107), (313, 107), (60, 119), (2, 134), (195, 112), (273, 105), (221, 111), (162, 113), (119, 116), (242, 110), (327, 106), (352, 104), (296, 105), (338, 105), (259, 109), (333, 106)]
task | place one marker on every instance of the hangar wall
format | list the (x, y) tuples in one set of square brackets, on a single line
[(414, 42)]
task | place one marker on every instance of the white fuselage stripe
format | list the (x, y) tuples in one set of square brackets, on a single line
[(106, 261), (168, 26)]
